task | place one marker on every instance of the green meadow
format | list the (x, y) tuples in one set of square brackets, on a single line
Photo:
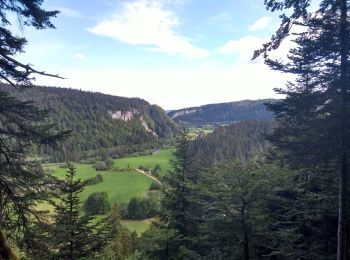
[(149, 161), (121, 185)]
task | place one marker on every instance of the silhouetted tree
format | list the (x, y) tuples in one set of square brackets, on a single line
[(21, 124), (314, 118)]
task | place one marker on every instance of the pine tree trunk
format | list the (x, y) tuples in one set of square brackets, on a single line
[(246, 245), (342, 239), (5, 250), (343, 180)]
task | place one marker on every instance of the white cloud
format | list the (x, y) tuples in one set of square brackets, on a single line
[(209, 82), (178, 88), (243, 47), (260, 24), (149, 24)]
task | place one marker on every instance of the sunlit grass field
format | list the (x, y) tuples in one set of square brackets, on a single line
[(121, 185), (150, 161)]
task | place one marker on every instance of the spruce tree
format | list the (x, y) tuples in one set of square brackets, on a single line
[(73, 234), (314, 118), (175, 236), (303, 213), (21, 126), (236, 217), (121, 242), (178, 205), (22, 185)]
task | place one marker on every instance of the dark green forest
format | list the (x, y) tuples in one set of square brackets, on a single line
[(223, 113), (243, 141), (94, 132)]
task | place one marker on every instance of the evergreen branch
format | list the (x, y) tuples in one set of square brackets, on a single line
[(28, 68)]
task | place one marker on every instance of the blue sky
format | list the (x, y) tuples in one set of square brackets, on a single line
[(174, 53)]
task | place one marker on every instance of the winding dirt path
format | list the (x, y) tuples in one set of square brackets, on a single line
[(148, 175)]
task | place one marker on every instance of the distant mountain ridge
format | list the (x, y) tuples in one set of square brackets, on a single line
[(223, 113), (102, 125)]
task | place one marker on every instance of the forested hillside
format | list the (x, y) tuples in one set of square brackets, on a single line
[(242, 141), (102, 125), (223, 113)]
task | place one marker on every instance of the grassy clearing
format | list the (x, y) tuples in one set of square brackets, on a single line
[(161, 157), (120, 186)]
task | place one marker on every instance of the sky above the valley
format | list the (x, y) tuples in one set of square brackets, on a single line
[(174, 53)]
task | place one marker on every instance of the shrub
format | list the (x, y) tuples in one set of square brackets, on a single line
[(157, 169), (123, 207), (99, 177), (97, 203), (101, 166), (94, 180), (146, 207), (155, 186), (109, 162), (134, 209)]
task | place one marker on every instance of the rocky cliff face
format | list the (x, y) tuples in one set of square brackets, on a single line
[(130, 115), (125, 116)]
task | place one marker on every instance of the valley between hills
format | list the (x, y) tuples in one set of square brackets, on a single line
[(139, 137)]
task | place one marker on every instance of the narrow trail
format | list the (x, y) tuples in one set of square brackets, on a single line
[(148, 175)]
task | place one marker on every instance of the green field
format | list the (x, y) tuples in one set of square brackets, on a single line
[(161, 157), (121, 186)]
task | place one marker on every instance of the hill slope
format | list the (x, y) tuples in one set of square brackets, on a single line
[(241, 141), (223, 113), (102, 125)]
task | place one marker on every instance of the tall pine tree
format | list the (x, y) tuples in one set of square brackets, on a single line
[(120, 239), (21, 125), (176, 236), (314, 118), (236, 215), (74, 236)]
